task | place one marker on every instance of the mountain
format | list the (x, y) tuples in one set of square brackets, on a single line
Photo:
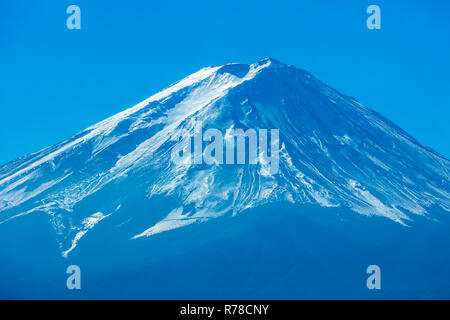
[(111, 192)]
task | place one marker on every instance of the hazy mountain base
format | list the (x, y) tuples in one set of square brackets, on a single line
[(277, 251)]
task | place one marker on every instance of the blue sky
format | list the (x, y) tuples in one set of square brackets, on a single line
[(56, 82)]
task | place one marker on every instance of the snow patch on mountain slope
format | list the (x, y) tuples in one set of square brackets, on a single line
[(175, 219), (87, 224)]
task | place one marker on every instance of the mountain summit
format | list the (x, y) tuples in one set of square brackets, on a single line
[(334, 152)]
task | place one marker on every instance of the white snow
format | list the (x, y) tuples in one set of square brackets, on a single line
[(87, 224)]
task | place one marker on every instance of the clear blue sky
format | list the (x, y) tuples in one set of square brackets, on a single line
[(55, 82)]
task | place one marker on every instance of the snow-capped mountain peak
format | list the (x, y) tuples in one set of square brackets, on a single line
[(333, 151)]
